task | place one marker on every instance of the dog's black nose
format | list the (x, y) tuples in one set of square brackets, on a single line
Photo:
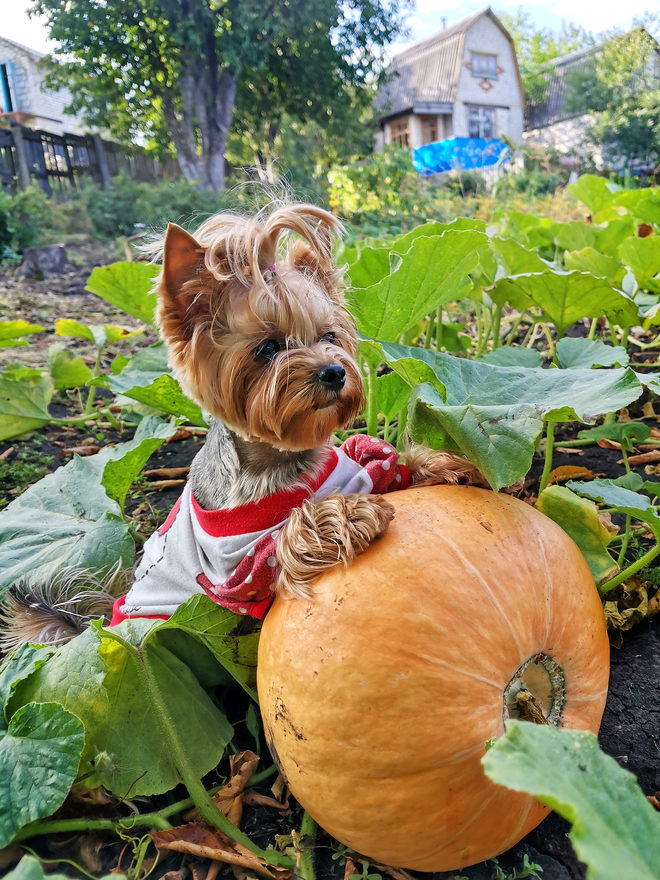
[(332, 376)]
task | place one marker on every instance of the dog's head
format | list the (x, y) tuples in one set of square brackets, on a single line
[(258, 334)]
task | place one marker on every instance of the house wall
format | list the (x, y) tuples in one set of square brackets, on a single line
[(567, 137), (502, 93), (31, 96)]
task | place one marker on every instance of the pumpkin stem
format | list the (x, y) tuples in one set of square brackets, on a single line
[(536, 692), (528, 707)]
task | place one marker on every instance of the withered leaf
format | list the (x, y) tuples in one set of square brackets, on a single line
[(201, 840), (571, 472)]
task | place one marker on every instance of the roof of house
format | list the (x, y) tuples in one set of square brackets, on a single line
[(427, 73)]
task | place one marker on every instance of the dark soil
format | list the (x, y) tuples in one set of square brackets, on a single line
[(631, 726)]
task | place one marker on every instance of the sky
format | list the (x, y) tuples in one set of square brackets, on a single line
[(426, 20)]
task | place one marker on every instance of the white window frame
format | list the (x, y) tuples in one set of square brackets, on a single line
[(481, 118)]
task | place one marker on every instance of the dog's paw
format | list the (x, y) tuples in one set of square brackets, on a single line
[(322, 534), (431, 467), (367, 517)]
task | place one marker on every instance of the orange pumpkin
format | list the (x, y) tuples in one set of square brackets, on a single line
[(379, 694)]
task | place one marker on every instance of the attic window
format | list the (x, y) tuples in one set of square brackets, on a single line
[(484, 65)]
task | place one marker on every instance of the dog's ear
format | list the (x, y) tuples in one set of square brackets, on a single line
[(317, 261), (183, 259), (183, 286)]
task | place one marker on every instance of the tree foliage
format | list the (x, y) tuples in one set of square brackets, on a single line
[(172, 71), (619, 84), (535, 48)]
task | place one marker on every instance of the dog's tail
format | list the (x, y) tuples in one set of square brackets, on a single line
[(54, 610)]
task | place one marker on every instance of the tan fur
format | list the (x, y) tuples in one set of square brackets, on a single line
[(430, 466), (326, 533), (51, 613)]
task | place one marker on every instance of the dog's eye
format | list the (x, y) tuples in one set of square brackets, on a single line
[(329, 337), (267, 349)]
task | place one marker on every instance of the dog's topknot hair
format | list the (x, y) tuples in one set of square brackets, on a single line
[(243, 248)]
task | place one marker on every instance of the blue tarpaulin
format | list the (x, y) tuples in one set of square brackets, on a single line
[(462, 153)]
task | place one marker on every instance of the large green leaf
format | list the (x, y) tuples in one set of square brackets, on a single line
[(615, 832), (643, 257), (574, 235), (565, 297), (371, 263), (127, 286), (67, 370), (513, 356), (642, 204), (126, 460), (12, 331), (494, 415), (64, 520), (590, 260), (40, 752), (163, 394), (514, 258), (18, 665), (24, 397), (582, 354), (579, 518), (232, 639), (99, 334), (433, 271), (133, 677), (621, 499), (593, 191), (147, 379)]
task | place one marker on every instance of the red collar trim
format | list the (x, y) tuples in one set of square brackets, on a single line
[(261, 515)]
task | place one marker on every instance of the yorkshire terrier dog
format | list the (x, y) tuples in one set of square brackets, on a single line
[(253, 315)]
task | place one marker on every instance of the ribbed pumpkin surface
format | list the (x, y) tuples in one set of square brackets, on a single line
[(378, 695)]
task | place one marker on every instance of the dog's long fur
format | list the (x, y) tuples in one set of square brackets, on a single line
[(259, 336)]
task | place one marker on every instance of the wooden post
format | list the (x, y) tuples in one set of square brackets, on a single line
[(106, 180), (24, 178)]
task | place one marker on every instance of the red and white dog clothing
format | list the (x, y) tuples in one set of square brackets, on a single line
[(231, 554)]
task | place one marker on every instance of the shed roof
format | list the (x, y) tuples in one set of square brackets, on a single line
[(427, 73)]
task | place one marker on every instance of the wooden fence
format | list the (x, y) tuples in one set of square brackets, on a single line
[(61, 161)]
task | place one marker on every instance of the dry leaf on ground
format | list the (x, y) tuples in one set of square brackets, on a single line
[(209, 843)]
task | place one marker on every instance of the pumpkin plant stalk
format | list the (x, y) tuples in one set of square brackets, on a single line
[(632, 569), (372, 411), (308, 830), (438, 331), (547, 466)]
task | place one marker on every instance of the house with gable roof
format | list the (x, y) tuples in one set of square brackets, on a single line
[(25, 99), (464, 82)]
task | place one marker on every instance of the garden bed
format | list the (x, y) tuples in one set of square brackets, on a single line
[(526, 368)]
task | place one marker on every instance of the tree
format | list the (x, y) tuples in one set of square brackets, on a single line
[(169, 71), (535, 48), (619, 86)]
